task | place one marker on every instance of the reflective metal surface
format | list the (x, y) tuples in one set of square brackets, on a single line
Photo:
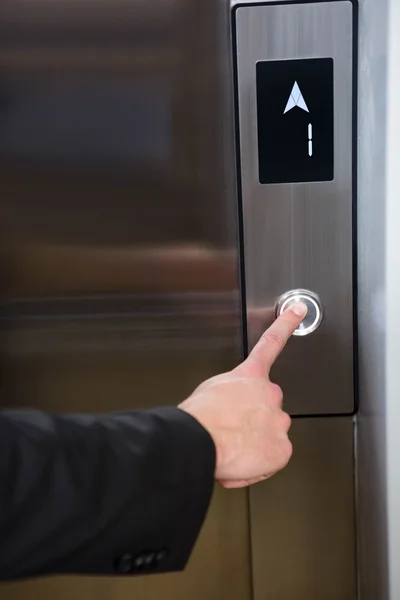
[(375, 256), (371, 433), (119, 285), (303, 520), (315, 311), (393, 291), (301, 235)]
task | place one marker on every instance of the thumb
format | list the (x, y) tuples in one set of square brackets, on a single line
[(273, 341)]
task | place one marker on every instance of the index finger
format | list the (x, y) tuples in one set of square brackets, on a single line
[(273, 341)]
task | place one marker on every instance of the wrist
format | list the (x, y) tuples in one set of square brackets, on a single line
[(217, 447)]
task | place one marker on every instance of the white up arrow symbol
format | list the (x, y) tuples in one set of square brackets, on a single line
[(296, 99)]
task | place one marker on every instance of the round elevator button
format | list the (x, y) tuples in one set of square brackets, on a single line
[(314, 316)]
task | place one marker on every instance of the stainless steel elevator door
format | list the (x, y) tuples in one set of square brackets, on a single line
[(118, 239)]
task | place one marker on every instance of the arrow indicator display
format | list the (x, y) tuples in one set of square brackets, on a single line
[(295, 120), (296, 99)]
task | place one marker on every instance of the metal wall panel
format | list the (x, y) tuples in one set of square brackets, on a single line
[(303, 534), (371, 426), (393, 290)]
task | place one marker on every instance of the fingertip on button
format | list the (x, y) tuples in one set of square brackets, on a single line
[(313, 317), (300, 309)]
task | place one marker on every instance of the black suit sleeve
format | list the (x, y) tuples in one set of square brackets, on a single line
[(122, 493)]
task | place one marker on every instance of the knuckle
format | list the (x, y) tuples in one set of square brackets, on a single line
[(286, 421), (286, 453), (286, 320), (277, 393), (282, 421)]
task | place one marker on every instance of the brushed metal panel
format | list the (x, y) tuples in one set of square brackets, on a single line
[(303, 520), (372, 452), (301, 235), (393, 300), (119, 285)]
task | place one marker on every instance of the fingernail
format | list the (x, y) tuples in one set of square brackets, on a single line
[(299, 309)]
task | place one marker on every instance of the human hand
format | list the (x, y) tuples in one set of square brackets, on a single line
[(242, 410)]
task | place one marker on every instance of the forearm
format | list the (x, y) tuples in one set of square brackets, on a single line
[(105, 494)]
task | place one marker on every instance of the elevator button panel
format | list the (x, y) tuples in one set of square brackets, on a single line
[(295, 74)]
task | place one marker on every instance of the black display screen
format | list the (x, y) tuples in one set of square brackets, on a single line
[(295, 120)]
